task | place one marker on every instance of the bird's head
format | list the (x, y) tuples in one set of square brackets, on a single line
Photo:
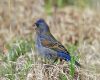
[(41, 26)]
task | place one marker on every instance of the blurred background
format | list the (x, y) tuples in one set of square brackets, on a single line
[(75, 23)]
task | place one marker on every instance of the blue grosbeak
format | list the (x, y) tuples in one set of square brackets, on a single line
[(47, 45)]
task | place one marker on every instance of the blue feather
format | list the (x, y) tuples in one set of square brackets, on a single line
[(64, 56), (47, 46)]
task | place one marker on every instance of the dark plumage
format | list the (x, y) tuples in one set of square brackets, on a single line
[(47, 45)]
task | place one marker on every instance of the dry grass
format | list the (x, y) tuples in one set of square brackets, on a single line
[(70, 25)]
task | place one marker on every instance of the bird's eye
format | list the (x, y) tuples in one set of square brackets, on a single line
[(36, 24)]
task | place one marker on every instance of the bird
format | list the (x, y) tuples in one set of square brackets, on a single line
[(46, 44)]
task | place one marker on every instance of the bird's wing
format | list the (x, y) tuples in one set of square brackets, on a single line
[(56, 46)]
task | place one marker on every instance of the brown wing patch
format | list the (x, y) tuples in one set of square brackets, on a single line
[(60, 47), (54, 46), (47, 43)]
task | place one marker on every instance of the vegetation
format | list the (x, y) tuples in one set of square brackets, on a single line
[(73, 22), (62, 3), (21, 48)]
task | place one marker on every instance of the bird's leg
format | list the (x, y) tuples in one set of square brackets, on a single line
[(55, 60), (61, 61)]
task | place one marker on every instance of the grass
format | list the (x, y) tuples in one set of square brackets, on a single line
[(20, 48), (72, 49), (62, 76), (62, 3), (17, 49)]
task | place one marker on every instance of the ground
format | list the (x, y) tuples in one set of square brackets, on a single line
[(72, 26)]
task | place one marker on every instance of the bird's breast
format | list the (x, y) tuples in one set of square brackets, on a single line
[(46, 52)]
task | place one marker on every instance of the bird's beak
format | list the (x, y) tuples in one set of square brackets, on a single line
[(34, 26)]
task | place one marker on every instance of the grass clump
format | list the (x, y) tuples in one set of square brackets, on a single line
[(18, 48), (72, 49), (49, 4), (62, 76), (9, 65)]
